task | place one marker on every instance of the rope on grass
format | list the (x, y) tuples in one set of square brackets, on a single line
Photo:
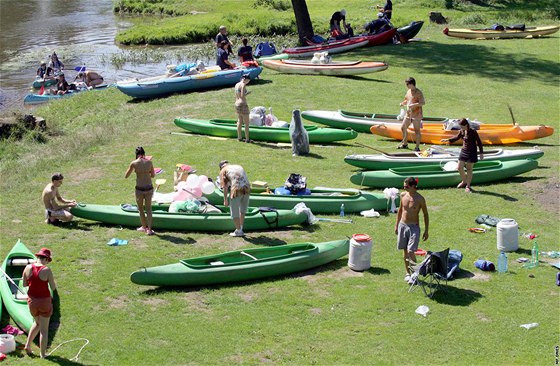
[(75, 358)]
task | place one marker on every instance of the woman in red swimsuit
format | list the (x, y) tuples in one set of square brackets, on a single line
[(39, 277)]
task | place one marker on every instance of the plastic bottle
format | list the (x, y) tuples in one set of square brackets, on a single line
[(502, 263), (535, 254), (342, 210)]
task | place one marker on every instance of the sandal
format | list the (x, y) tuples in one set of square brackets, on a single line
[(150, 232), (402, 146), (460, 185)]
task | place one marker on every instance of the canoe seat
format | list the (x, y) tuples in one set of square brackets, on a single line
[(20, 296), (20, 261)]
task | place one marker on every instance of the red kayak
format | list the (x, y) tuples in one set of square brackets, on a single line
[(380, 38), (331, 47)]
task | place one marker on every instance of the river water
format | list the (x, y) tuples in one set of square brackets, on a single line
[(82, 32)]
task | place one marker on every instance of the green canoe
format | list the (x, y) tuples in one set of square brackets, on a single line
[(228, 128), (320, 201), (278, 56), (242, 265), (434, 175), (127, 215), (38, 82), (14, 300), (436, 155)]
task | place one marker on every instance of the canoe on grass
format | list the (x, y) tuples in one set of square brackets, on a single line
[(490, 134), (162, 85), (528, 32), (409, 31), (127, 215), (242, 265), (228, 128), (332, 47), (320, 201), (278, 56), (358, 121), (434, 176), (14, 300), (433, 156), (333, 68)]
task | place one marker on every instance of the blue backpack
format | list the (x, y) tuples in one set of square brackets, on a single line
[(265, 49)]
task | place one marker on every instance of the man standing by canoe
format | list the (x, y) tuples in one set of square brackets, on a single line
[(336, 18), (56, 206), (407, 227), (413, 100)]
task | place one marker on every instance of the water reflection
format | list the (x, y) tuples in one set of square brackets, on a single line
[(82, 32)]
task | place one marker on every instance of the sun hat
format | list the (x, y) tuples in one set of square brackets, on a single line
[(222, 164), (44, 252)]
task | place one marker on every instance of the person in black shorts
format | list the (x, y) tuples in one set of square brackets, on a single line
[(467, 156)]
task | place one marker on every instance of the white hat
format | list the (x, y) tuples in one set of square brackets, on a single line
[(343, 12)]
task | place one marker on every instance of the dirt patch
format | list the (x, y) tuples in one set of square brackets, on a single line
[(345, 272), (481, 276), (83, 175), (546, 194), (197, 302), (482, 317), (118, 302), (315, 311), (247, 296), (155, 302)]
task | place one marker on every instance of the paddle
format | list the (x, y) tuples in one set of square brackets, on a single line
[(80, 68), (159, 182), (12, 281), (42, 90), (369, 147), (512, 118)]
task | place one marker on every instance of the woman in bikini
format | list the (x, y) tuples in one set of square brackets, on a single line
[(144, 189), (242, 108)]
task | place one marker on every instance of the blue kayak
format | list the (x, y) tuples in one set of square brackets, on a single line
[(162, 85)]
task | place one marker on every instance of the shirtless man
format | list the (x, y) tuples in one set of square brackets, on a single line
[(413, 100), (407, 227), (56, 206), (90, 78), (144, 189)]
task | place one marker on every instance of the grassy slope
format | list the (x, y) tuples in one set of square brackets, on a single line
[(331, 315)]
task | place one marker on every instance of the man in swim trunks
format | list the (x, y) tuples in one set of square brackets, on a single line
[(56, 206), (407, 227), (144, 189), (413, 100)]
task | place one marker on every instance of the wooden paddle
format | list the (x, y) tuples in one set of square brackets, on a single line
[(369, 147), (159, 182)]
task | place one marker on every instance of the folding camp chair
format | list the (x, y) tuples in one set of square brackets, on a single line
[(431, 272)]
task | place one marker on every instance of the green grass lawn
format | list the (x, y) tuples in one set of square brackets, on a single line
[(330, 315)]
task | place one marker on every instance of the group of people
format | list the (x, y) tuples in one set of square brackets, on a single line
[(55, 71), (225, 50), (345, 30), (413, 101)]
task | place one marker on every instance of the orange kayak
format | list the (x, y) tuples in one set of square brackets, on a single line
[(492, 134)]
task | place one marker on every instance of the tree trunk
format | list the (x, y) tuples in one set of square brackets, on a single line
[(303, 21)]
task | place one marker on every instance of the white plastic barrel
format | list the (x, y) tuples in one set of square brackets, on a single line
[(359, 258), (507, 232), (7, 343)]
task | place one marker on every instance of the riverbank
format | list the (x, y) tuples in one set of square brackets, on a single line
[(183, 22), (330, 315)]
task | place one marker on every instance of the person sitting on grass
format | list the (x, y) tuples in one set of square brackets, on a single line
[(56, 207), (407, 227)]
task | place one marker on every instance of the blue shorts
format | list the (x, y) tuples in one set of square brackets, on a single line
[(408, 236)]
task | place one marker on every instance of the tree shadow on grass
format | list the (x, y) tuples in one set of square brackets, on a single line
[(456, 296), (362, 78), (505, 197), (474, 58)]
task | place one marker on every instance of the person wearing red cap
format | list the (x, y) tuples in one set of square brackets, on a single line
[(39, 277), (407, 227)]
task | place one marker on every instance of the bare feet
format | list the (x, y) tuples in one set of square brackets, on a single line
[(29, 352), (468, 189)]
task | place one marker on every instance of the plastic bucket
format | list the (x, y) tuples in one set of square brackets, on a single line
[(359, 258), (507, 232), (7, 343)]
